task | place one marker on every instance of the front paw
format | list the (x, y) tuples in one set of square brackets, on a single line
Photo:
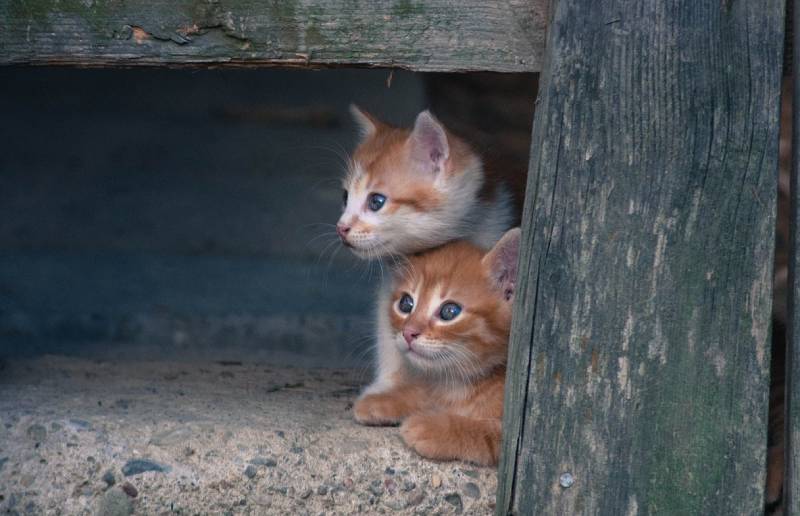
[(428, 435), (377, 410)]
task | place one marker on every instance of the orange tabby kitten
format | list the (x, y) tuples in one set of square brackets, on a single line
[(450, 316), (407, 191)]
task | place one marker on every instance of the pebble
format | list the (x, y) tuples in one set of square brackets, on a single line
[(250, 471), (389, 470), (115, 503), (415, 499), (130, 490), (108, 478), (471, 473), (261, 461), (137, 466), (296, 449), (397, 505), (3, 461), (472, 490), (305, 494), (37, 432), (454, 499), (436, 481), (409, 486), (375, 488), (390, 485), (322, 490)]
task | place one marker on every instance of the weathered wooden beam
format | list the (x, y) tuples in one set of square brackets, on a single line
[(792, 436), (426, 35), (638, 369)]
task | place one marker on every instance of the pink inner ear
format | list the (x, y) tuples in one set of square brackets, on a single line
[(429, 145), (502, 262)]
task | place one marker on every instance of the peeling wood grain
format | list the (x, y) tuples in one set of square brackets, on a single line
[(649, 228), (425, 35)]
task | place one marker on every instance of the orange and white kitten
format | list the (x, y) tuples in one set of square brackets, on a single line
[(450, 316), (411, 190)]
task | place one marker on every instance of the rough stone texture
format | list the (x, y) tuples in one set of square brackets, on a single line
[(640, 351), (416, 34), (324, 462)]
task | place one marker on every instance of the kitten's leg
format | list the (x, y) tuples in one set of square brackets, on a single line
[(446, 436), (389, 407), (389, 362)]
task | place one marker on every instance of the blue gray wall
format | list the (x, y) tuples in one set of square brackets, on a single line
[(178, 213)]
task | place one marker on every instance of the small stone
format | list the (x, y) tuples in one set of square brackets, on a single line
[(390, 485), (250, 471), (376, 489), (114, 503), (348, 483), (415, 498), (137, 466), (471, 473), (279, 489), (108, 478), (409, 486), (395, 505), (296, 449), (280, 433), (322, 490), (38, 433), (436, 481), (472, 490), (261, 461), (130, 490), (306, 493), (3, 461), (389, 470), (55, 427), (454, 499)]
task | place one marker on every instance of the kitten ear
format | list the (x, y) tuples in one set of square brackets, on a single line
[(501, 263), (367, 123), (428, 141)]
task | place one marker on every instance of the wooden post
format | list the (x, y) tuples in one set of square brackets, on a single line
[(792, 481), (639, 359)]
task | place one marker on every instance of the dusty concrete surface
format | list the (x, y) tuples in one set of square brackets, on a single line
[(228, 438)]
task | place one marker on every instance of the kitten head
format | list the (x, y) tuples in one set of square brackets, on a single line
[(407, 190), (451, 308)]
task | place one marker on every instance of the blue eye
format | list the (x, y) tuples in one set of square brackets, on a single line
[(449, 311), (406, 304), (344, 198), (376, 201)]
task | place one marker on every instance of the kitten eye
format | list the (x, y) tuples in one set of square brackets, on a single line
[(344, 198), (376, 201), (406, 304), (449, 311)]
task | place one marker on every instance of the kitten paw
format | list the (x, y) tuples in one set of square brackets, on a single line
[(428, 435), (446, 437), (377, 410)]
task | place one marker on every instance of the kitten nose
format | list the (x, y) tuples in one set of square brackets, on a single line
[(410, 334), (342, 230)]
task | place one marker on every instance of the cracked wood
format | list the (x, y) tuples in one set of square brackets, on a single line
[(425, 35), (639, 355)]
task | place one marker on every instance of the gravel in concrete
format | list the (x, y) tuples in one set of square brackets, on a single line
[(193, 435)]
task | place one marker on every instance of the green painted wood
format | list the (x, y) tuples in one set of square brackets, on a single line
[(792, 440), (429, 35), (639, 355)]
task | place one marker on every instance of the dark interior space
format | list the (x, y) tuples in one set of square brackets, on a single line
[(177, 317)]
